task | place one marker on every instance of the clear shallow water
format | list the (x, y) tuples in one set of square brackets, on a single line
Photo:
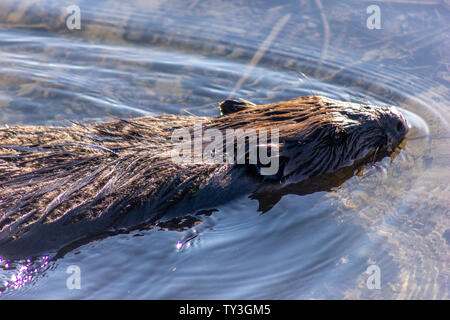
[(152, 58)]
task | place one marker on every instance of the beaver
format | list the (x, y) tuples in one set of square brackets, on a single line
[(65, 185)]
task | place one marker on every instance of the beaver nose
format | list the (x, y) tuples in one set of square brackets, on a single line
[(398, 126)]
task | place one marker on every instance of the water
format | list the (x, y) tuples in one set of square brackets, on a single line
[(147, 58)]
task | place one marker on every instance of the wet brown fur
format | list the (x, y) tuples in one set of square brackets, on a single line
[(65, 175)]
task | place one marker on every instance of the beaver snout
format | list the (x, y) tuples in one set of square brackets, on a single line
[(396, 126)]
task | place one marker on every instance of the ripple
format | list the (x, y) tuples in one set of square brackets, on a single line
[(313, 246)]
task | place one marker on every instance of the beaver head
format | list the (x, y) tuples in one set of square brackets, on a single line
[(318, 135)]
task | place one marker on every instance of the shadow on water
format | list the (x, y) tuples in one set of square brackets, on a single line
[(318, 237)]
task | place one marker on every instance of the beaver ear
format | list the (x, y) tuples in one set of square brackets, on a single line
[(232, 106)]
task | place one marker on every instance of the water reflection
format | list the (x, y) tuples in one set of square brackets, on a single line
[(136, 58)]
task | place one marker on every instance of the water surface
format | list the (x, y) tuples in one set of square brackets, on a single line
[(139, 58)]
